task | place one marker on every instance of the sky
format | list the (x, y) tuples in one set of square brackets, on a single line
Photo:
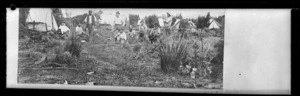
[(186, 13)]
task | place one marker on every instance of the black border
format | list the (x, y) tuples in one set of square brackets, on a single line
[(205, 4)]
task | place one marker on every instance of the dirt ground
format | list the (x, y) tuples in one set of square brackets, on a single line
[(112, 64)]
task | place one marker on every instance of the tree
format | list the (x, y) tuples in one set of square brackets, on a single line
[(23, 15), (175, 18), (221, 20), (201, 22), (208, 17), (151, 21), (133, 19), (57, 15)]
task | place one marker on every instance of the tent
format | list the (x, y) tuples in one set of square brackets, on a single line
[(41, 19), (214, 24)]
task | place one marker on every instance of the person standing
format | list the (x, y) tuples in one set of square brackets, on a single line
[(118, 22), (168, 20), (90, 22), (167, 24)]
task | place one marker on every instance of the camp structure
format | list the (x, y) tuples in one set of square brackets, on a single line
[(214, 24), (41, 19)]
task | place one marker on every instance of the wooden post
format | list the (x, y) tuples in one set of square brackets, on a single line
[(52, 19), (46, 27), (33, 24)]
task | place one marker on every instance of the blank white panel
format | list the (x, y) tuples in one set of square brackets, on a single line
[(257, 49)]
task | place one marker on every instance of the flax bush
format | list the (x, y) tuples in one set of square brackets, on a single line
[(73, 45), (171, 53), (201, 52)]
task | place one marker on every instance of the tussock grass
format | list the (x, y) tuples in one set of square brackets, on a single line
[(74, 46), (172, 52)]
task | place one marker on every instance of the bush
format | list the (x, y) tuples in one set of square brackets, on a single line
[(133, 19), (217, 62), (201, 52), (64, 58), (172, 52), (73, 45), (152, 21)]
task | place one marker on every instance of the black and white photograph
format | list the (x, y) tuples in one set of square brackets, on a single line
[(155, 48)]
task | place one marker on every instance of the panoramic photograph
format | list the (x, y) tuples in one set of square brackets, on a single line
[(165, 48)]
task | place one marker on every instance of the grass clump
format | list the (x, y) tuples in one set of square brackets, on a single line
[(171, 53)]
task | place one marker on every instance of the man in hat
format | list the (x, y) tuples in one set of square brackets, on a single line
[(90, 22)]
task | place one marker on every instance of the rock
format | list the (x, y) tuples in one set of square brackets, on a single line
[(187, 84), (213, 86), (66, 82), (89, 83), (158, 82), (50, 57), (173, 78), (90, 73)]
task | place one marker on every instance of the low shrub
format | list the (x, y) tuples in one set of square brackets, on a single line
[(74, 46), (64, 58), (171, 53)]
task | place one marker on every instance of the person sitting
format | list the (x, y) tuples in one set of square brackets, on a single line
[(65, 31), (142, 25), (79, 30), (121, 36)]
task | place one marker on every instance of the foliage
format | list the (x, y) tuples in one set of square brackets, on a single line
[(152, 21), (133, 19), (73, 45), (217, 62), (64, 58), (172, 51), (174, 18), (57, 15), (79, 19), (202, 52), (23, 15), (202, 21), (221, 20)]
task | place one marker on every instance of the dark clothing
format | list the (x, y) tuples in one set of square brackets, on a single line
[(93, 19), (90, 30)]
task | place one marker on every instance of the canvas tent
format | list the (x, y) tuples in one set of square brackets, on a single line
[(41, 19), (214, 24)]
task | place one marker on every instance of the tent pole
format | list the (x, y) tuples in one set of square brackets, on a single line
[(46, 27), (52, 18)]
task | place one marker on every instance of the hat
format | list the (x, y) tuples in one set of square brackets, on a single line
[(117, 12), (90, 11), (168, 14)]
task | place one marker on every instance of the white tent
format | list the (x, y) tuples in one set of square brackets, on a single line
[(44, 19), (214, 24)]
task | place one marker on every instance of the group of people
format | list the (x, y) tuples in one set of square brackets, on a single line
[(118, 26)]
